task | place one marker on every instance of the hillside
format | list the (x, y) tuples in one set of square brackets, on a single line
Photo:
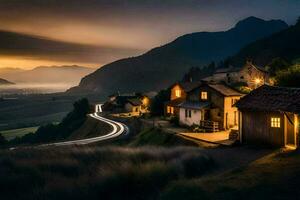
[(284, 44), (5, 82), (161, 66), (45, 74)]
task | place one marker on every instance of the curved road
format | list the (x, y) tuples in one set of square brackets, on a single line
[(118, 129)]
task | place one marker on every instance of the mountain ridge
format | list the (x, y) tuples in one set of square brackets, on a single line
[(163, 65)]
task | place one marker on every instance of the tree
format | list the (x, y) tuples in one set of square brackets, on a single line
[(276, 65), (157, 104), (289, 77)]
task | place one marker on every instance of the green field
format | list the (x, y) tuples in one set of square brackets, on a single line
[(11, 134)]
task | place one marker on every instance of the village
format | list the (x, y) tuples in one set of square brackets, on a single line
[(214, 111)]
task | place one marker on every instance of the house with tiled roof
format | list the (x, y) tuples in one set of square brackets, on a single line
[(210, 105), (270, 115), (127, 103), (178, 94), (250, 74), (204, 103)]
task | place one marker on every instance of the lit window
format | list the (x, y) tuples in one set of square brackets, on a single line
[(170, 110), (204, 95), (275, 122), (178, 93)]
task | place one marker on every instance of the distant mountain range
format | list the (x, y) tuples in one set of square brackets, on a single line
[(5, 82), (55, 74), (161, 66)]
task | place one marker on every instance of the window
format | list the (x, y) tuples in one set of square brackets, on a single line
[(170, 110), (178, 93), (188, 113), (275, 122), (204, 95)]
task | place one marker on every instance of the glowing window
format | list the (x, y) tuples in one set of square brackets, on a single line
[(170, 110), (178, 93), (204, 95), (275, 122)]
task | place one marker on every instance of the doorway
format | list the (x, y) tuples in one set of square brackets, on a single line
[(290, 130)]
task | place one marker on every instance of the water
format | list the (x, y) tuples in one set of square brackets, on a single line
[(28, 88)]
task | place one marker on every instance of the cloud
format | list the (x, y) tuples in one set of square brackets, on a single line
[(37, 48)]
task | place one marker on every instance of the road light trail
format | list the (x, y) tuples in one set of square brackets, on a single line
[(118, 129)]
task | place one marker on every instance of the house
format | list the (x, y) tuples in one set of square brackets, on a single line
[(135, 104), (270, 115), (178, 94), (210, 104), (250, 74)]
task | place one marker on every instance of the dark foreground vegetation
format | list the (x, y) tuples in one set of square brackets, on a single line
[(97, 173), (276, 176)]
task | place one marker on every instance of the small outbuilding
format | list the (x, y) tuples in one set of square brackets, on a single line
[(270, 115)]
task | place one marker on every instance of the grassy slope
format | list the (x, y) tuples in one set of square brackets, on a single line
[(159, 138), (11, 134), (96, 173), (276, 176)]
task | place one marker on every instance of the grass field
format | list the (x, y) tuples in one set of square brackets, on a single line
[(11, 134), (97, 173)]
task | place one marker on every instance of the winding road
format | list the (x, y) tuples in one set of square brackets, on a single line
[(117, 130)]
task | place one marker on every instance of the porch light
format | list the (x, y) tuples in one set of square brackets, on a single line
[(257, 81)]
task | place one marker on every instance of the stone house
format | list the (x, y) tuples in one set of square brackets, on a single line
[(250, 74)]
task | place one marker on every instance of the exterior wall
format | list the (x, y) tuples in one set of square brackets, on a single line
[(216, 112), (130, 108), (230, 112), (189, 121), (248, 74), (256, 128), (173, 92)]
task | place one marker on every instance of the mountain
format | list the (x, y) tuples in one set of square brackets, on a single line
[(55, 74), (284, 44), (5, 82), (161, 66)]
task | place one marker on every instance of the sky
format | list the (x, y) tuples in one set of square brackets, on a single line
[(95, 32)]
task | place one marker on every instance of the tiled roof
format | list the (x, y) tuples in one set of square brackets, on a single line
[(175, 102), (135, 102), (188, 86), (227, 70), (225, 90), (195, 105), (269, 98)]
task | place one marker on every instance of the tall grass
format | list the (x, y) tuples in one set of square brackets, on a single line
[(97, 173)]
